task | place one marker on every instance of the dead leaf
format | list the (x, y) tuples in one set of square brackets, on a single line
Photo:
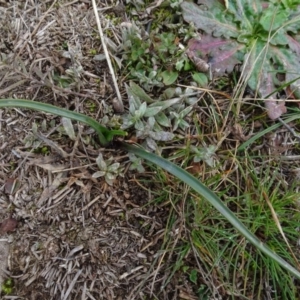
[(219, 54), (238, 134), (274, 109), (8, 225), (11, 184)]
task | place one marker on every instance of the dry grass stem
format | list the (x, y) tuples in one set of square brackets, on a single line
[(112, 73)]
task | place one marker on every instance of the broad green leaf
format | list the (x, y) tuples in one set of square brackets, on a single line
[(134, 100), (139, 125), (165, 104), (201, 79), (210, 17), (272, 18), (101, 162), (293, 22), (214, 200), (245, 12), (141, 111), (110, 178), (278, 38), (113, 167), (169, 77), (185, 112), (179, 65), (162, 119), (98, 174), (152, 111), (151, 122), (193, 276)]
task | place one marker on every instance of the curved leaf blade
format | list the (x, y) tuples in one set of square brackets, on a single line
[(105, 135), (213, 199)]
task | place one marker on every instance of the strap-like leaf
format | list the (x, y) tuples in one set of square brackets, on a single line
[(105, 135), (195, 184)]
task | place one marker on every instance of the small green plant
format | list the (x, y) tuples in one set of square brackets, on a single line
[(106, 135), (151, 118), (136, 163), (262, 36), (7, 286), (108, 170), (156, 59), (206, 154)]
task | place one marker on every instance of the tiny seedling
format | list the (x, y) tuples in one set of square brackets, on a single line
[(108, 170)]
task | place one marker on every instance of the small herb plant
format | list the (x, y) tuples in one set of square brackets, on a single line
[(156, 120), (262, 36), (108, 170), (156, 59)]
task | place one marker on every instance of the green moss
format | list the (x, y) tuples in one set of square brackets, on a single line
[(7, 286)]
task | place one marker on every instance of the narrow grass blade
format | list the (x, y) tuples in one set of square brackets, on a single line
[(263, 132), (105, 135), (213, 199)]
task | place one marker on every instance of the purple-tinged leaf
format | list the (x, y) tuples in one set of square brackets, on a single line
[(294, 44), (221, 54)]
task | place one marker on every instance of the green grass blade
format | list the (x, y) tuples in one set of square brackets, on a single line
[(213, 199), (265, 131), (105, 135)]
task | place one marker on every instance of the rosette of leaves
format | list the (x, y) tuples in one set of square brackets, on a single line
[(150, 118), (262, 36), (108, 170), (147, 116)]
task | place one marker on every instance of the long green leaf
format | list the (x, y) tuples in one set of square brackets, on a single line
[(213, 199), (105, 135)]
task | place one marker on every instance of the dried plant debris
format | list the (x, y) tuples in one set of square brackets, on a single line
[(46, 51), (4, 253)]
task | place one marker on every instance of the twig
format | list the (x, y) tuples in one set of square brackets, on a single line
[(121, 106)]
